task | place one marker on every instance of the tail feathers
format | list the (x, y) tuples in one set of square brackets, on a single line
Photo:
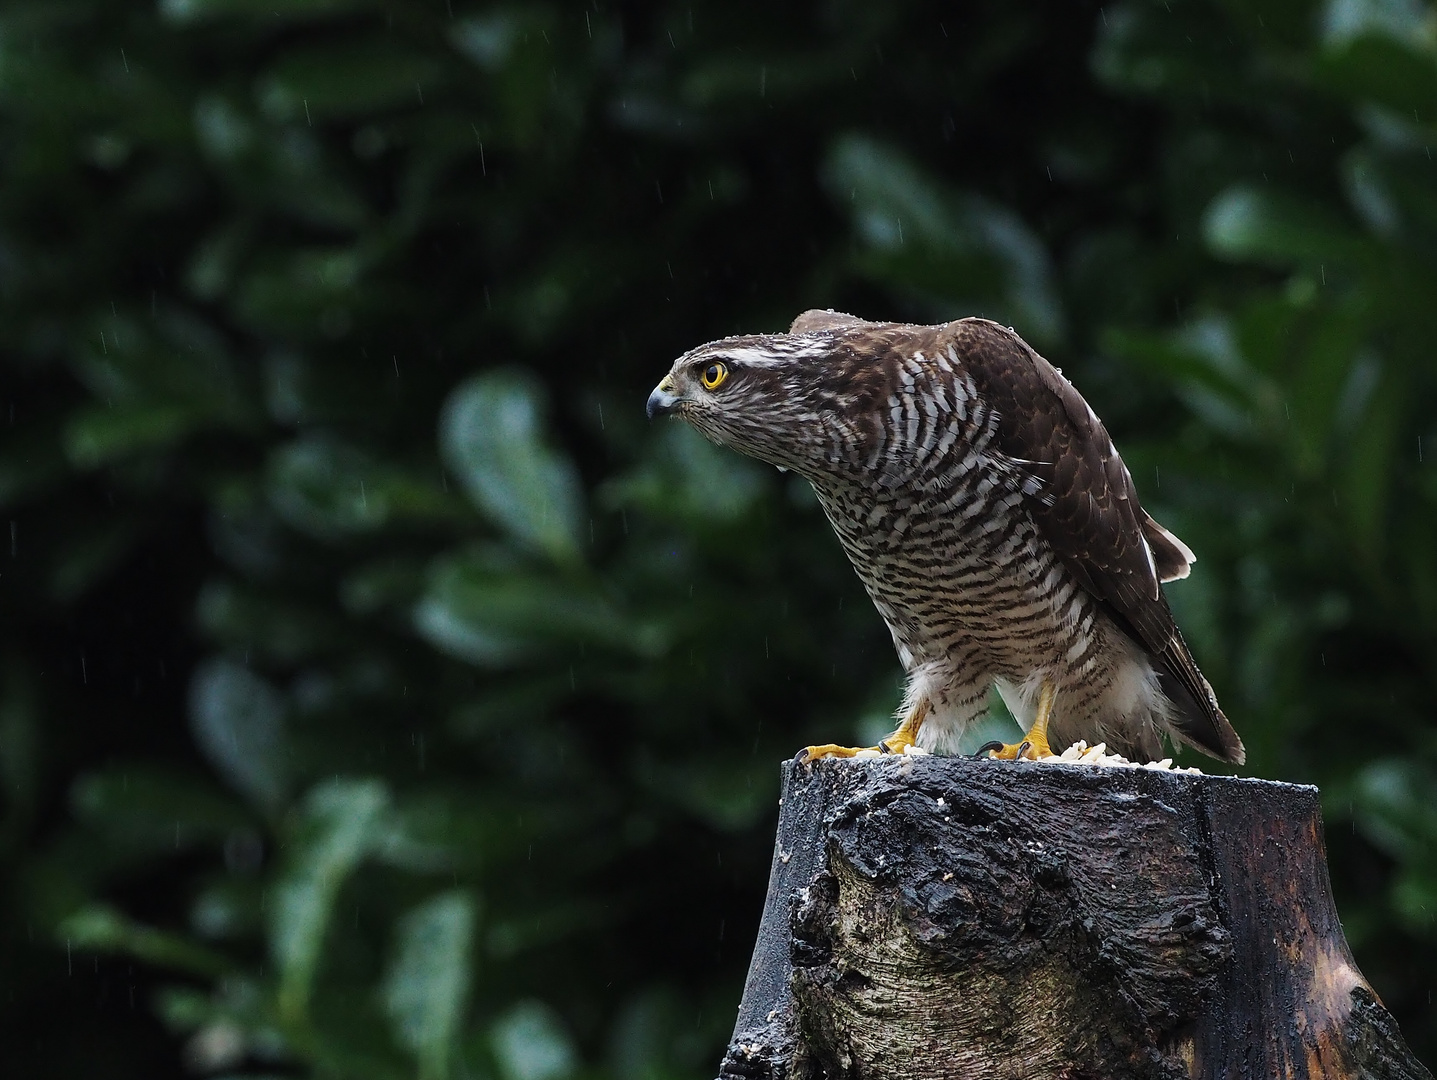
[(1199, 723)]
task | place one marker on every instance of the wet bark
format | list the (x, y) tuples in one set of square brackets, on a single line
[(939, 917)]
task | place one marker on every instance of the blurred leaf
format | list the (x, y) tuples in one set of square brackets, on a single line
[(493, 438), (1401, 20), (684, 477), (195, 10), (530, 1044), (488, 39), (99, 434), (491, 610), (1396, 805), (84, 561), (1367, 487), (722, 797), (427, 985), (265, 625), (154, 809), (332, 833), (1383, 69), (98, 928), (956, 246), (330, 489), (238, 721), (1244, 223), (344, 82)]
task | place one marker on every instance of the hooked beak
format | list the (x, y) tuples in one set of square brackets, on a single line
[(663, 400)]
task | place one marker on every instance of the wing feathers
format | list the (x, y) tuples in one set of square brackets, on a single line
[(813, 321), (1090, 515), (1173, 557)]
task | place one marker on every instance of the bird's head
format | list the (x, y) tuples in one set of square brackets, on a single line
[(787, 399)]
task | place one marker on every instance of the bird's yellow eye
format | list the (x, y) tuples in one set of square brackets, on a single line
[(714, 375)]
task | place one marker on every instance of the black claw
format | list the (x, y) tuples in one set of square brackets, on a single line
[(883, 748), (992, 744)]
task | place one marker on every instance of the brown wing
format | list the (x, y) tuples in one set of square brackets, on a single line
[(1087, 508)]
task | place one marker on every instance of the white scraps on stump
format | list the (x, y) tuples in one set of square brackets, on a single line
[(1080, 753)]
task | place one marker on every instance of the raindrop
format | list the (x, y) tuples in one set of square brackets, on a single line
[(307, 118), (125, 60)]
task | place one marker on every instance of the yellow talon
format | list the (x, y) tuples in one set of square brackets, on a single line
[(813, 753), (897, 743), (1034, 745)]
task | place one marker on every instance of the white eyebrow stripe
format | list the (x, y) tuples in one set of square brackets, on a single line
[(753, 357)]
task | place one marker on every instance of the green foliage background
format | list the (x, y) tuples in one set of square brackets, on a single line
[(383, 697)]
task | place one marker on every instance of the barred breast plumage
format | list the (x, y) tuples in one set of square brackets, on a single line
[(987, 513)]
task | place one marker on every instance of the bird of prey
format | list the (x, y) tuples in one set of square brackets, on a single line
[(988, 515)]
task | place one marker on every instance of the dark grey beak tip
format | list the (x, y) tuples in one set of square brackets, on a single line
[(660, 403)]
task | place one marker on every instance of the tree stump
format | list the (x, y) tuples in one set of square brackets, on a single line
[(941, 917)]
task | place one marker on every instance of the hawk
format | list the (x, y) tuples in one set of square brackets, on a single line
[(989, 517)]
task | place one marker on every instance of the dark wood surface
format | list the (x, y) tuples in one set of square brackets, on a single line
[(941, 917)]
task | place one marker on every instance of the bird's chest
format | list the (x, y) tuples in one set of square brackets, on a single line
[(957, 568)]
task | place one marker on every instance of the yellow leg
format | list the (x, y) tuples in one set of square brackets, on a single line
[(1035, 742), (897, 743)]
